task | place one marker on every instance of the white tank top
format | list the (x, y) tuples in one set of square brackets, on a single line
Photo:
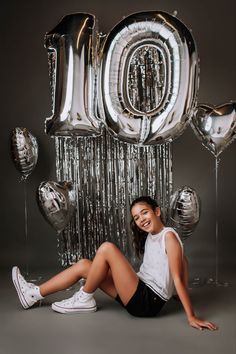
[(155, 271)]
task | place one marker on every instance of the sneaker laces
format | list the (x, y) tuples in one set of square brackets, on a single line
[(24, 283), (76, 297), (73, 299)]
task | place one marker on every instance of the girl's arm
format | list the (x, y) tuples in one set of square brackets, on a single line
[(175, 258)]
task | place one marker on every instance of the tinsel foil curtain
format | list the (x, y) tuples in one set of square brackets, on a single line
[(107, 175)]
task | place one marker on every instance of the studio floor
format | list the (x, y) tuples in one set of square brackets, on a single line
[(112, 330)]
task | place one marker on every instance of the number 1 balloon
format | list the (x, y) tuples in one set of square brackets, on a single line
[(24, 149), (72, 64)]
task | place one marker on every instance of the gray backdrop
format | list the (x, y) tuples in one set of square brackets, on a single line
[(25, 101)]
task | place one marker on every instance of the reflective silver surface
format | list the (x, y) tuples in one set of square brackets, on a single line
[(24, 149), (184, 211), (215, 126), (56, 202), (72, 56), (148, 78)]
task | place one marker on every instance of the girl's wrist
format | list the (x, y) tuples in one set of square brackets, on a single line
[(191, 317)]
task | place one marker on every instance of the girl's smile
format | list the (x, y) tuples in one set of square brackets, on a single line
[(146, 218)]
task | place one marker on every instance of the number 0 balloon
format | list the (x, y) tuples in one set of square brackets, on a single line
[(148, 78)]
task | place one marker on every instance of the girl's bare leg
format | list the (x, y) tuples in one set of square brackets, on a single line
[(66, 278), (101, 275), (71, 275), (109, 259)]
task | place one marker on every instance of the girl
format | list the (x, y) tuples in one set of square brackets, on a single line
[(142, 294)]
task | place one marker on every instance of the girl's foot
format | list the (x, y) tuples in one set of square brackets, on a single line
[(28, 293), (78, 303)]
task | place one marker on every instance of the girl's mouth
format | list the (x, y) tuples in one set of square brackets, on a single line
[(146, 224)]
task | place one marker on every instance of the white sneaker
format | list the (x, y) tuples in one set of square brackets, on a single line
[(79, 302), (26, 291)]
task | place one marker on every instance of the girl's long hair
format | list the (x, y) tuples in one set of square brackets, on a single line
[(140, 236)]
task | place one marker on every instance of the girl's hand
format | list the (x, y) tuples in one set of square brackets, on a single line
[(201, 324)]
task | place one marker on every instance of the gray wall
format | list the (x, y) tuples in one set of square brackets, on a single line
[(25, 101)]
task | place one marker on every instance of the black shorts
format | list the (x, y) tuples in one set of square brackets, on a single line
[(144, 302)]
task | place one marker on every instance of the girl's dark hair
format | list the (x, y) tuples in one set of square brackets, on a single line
[(139, 236)]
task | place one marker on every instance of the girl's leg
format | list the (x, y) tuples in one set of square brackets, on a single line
[(66, 278), (110, 271), (109, 259), (71, 275)]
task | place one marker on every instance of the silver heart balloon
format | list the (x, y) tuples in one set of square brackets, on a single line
[(56, 201), (184, 211), (24, 149), (215, 126)]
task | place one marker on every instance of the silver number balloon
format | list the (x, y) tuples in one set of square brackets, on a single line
[(56, 201), (24, 149), (72, 69), (148, 78), (184, 211), (215, 126)]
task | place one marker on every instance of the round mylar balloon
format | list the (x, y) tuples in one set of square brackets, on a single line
[(24, 149), (148, 78), (215, 126), (185, 211), (71, 49), (56, 201)]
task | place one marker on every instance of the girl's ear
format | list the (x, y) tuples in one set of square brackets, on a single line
[(158, 211)]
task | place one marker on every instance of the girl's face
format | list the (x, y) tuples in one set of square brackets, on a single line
[(146, 218)]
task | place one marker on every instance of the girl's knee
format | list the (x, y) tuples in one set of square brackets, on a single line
[(106, 247), (83, 263)]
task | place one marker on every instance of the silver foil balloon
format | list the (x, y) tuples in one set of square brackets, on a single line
[(56, 201), (71, 49), (24, 149), (215, 126), (148, 78), (184, 211)]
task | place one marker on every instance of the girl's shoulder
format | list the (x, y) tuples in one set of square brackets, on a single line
[(168, 229), (173, 231)]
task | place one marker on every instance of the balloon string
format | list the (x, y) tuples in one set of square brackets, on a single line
[(26, 227), (217, 226)]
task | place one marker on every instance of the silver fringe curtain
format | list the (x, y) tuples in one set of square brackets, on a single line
[(107, 175)]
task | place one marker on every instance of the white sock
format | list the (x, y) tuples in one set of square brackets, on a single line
[(36, 292), (40, 297), (86, 295)]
